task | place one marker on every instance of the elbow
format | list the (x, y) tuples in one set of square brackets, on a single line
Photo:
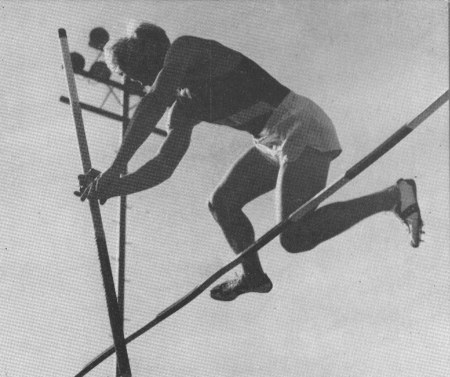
[(164, 175), (166, 171), (166, 165), (161, 174), (155, 179)]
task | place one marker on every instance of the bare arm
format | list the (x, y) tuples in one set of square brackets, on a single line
[(180, 57), (147, 115), (161, 167)]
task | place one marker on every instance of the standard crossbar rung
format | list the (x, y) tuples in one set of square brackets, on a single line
[(107, 114)]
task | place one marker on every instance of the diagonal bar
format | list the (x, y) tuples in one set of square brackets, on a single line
[(384, 147), (107, 114), (105, 266)]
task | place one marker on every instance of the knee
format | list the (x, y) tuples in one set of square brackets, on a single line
[(213, 209), (220, 205), (297, 241)]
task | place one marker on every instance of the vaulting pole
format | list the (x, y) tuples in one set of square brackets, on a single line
[(105, 266), (373, 156)]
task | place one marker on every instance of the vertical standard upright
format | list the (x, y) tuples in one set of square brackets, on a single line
[(122, 219), (105, 266)]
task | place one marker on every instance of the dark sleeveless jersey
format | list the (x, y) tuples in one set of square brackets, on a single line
[(243, 98)]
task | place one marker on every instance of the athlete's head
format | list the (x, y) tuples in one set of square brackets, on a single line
[(140, 56)]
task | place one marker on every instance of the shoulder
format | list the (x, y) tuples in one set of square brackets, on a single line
[(188, 41), (181, 57), (184, 54), (207, 56), (186, 47), (188, 54)]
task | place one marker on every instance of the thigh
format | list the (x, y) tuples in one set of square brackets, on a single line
[(301, 179), (252, 175)]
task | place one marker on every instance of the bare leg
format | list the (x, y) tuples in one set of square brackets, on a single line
[(298, 181), (251, 176)]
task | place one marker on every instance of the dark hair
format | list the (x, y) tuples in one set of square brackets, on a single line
[(120, 53), (150, 32)]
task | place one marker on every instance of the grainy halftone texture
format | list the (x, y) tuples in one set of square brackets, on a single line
[(361, 304)]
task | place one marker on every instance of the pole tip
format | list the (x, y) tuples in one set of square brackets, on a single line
[(62, 33)]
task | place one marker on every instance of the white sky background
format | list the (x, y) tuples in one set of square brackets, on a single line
[(362, 304)]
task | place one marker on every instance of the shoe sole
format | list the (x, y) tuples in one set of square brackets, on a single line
[(416, 240), (265, 288)]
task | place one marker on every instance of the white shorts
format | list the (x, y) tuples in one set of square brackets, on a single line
[(295, 124)]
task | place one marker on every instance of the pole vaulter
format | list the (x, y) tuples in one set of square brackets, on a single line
[(105, 266), (355, 170)]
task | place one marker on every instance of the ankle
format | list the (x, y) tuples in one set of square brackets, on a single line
[(253, 274), (392, 196), (252, 268)]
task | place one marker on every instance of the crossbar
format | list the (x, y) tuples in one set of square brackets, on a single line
[(356, 169)]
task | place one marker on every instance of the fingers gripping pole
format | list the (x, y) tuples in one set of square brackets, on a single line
[(277, 229), (105, 266)]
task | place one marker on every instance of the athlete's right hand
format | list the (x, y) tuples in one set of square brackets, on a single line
[(88, 183)]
